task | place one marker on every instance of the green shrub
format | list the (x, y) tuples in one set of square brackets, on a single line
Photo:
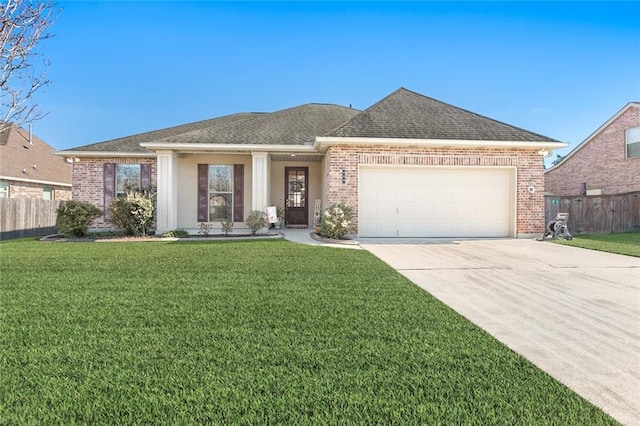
[(176, 233), (227, 227), (74, 218), (134, 213), (205, 228), (336, 221), (256, 221)]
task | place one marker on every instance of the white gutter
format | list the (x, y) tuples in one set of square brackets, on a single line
[(226, 147), (322, 143), (43, 182), (103, 154)]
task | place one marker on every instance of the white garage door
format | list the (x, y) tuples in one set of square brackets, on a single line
[(436, 202)]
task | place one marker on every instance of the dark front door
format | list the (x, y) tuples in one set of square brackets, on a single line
[(296, 193)]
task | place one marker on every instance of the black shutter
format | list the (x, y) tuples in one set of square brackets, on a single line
[(203, 192), (145, 176), (109, 179), (238, 192)]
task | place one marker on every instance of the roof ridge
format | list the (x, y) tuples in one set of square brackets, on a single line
[(366, 110), (309, 104)]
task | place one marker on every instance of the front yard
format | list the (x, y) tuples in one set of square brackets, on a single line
[(260, 332)]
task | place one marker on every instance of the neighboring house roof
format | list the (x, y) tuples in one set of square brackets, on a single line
[(410, 115), (31, 159), (594, 134)]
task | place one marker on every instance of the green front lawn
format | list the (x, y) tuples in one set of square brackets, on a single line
[(260, 332), (622, 243)]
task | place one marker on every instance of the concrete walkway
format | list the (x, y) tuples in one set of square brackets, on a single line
[(575, 313), (303, 236)]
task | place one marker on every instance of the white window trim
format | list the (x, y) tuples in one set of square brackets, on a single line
[(118, 194)]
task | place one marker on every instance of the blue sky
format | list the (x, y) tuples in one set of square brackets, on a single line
[(120, 68)]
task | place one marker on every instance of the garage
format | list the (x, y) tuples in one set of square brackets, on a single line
[(436, 202)]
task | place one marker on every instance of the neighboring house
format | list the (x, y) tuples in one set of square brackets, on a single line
[(30, 169), (607, 162), (409, 166)]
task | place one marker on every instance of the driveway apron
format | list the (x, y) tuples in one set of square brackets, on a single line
[(573, 312)]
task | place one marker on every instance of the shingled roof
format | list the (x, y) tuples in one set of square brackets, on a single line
[(131, 144), (401, 115), (293, 126), (24, 159), (409, 115)]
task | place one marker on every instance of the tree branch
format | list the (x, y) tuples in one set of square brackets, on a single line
[(23, 67)]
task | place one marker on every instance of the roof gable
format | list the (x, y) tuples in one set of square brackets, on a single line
[(408, 115), (594, 134)]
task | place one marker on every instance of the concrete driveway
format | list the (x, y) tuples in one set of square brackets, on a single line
[(575, 313)]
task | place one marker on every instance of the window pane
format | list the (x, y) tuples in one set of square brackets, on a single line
[(4, 190), (633, 150), (219, 207), (633, 135), (296, 188), (220, 178), (47, 193), (127, 178)]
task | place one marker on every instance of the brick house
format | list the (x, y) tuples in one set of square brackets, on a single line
[(30, 169), (607, 162), (409, 166)]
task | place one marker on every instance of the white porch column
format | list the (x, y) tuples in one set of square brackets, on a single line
[(167, 199), (260, 180)]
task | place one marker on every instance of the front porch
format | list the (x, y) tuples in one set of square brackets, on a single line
[(245, 181)]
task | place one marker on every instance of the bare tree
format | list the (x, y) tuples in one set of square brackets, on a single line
[(23, 67)]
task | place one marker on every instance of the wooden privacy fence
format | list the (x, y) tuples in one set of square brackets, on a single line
[(596, 214), (23, 217)]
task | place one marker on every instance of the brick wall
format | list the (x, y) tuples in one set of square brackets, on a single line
[(88, 183), (601, 163), (528, 164), (18, 189)]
